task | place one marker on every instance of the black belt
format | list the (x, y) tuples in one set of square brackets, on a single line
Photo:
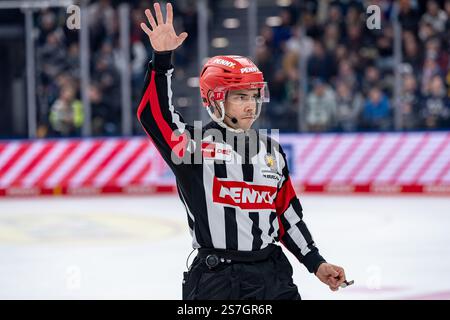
[(215, 256)]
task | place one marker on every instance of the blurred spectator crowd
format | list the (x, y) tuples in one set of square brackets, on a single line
[(349, 69), (350, 81), (58, 67)]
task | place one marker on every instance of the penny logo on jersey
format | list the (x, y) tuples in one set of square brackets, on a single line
[(244, 195)]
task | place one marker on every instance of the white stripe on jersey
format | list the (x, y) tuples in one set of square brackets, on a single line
[(244, 230), (293, 218), (264, 225), (216, 215), (299, 240), (195, 244), (175, 117)]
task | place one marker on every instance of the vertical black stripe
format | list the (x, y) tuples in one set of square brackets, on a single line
[(292, 246), (269, 145), (297, 207), (231, 233), (247, 166), (196, 199), (234, 142), (305, 233), (247, 172), (220, 169), (295, 203), (256, 231), (258, 147), (285, 223), (273, 216)]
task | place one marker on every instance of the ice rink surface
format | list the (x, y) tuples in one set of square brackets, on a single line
[(132, 247)]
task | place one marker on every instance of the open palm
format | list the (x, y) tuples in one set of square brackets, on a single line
[(162, 35)]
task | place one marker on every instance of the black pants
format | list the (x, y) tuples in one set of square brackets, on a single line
[(270, 279)]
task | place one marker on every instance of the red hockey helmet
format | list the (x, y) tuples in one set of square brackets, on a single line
[(223, 73)]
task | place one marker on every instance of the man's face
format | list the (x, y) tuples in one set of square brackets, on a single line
[(433, 8), (241, 104), (375, 95)]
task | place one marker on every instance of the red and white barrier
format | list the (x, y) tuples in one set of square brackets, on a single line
[(379, 162), (82, 167), (336, 163)]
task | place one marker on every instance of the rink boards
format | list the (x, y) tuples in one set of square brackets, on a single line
[(331, 163)]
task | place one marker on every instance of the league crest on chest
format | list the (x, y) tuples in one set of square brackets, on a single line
[(270, 171)]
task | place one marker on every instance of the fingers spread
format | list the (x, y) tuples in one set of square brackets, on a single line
[(158, 12), (169, 16), (150, 18), (182, 37), (146, 29)]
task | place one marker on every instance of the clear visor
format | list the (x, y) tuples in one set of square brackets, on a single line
[(220, 93)]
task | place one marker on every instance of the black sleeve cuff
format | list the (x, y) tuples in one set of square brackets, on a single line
[(162, 60), (312, 261)]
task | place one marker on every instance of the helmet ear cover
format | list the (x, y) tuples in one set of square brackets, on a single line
[(220, 107), (220, 94)]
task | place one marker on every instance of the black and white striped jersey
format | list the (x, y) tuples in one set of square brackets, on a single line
[(235, 186)]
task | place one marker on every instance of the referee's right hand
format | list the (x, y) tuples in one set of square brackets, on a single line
[(331, 275), (162, 34)]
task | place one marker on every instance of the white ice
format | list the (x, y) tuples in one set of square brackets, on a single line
[(132, 247)]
